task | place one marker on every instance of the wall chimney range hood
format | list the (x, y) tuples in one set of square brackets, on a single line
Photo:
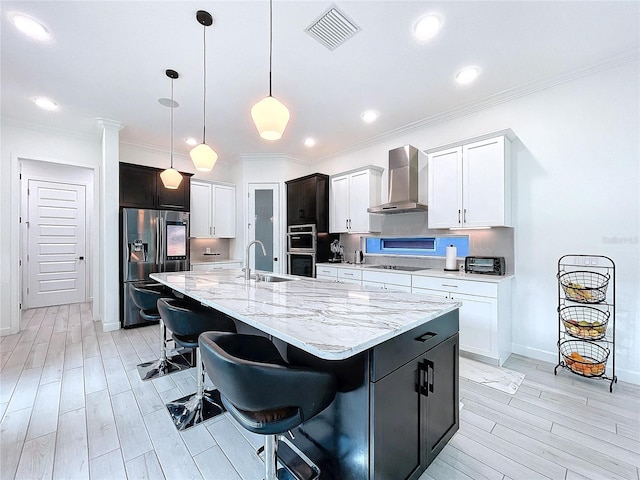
[(403, 183)]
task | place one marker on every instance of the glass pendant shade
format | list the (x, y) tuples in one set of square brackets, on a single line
[(271, 118), (203, 157), (171, 178)]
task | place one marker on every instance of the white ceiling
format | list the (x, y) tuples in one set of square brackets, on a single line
[(107, 59)]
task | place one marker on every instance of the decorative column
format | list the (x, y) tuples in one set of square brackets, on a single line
[(108, 303)]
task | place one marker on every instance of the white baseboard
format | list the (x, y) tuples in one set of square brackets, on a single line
[(110, 327), (628, 376), (5, 331), (535, 353)]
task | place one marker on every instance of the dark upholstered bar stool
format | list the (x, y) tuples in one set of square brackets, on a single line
[(262, 392), (145, 297), (187, 321)]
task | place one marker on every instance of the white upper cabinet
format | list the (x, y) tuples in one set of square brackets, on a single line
[(213, 210), (351, 194), (469, 184)]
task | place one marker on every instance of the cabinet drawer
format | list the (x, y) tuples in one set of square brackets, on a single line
[(392, 354), (322, 271), (468, 287), (349, 274), (403, 279)]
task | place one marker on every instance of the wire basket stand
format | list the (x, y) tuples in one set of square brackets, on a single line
[(587, 317)]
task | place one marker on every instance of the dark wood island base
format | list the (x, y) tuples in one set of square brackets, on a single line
[(397, 406)]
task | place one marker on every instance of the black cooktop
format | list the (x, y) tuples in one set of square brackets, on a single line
[(399, 267)]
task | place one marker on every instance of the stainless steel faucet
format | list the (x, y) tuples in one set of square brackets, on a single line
[(247, 270)]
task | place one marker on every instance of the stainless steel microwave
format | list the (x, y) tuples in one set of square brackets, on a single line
[(486, 265)]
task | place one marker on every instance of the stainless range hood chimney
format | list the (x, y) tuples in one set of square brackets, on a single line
[(403, 183)]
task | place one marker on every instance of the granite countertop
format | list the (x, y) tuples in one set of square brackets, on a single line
[(330, 320), (429, 272)]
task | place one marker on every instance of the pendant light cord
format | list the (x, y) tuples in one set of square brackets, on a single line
[(270, 41), (204, 86), (172, 107)]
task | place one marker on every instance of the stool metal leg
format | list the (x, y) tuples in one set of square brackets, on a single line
[(270, 457), (198, 407), (164, 365)]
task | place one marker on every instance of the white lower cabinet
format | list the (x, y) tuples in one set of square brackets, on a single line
[(326, 273), (350, 275), (485, 323), (209, 267), (387, 281)]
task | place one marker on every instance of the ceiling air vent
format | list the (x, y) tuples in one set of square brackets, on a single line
[(332, 29)]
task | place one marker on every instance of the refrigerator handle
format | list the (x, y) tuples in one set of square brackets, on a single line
[(160, 249), (126, 255)]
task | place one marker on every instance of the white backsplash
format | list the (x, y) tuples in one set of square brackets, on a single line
[(218, 246), (497, 242)]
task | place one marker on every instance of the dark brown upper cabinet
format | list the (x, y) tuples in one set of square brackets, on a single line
[(308, 201), (141, 187)]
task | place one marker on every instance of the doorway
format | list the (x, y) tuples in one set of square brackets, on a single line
[(55, 224), (264, 225)]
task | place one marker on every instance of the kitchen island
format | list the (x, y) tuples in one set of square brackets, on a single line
[(395, 356)]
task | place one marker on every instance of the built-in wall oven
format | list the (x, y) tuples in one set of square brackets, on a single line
[(302, 250)]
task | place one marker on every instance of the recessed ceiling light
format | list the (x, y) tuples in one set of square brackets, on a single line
[(467, 75), (369, 116), (191, 141), (309, 142), (31, 27), (427, 27), (45, 103)]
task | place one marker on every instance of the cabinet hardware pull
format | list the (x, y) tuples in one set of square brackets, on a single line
[(348, 274), (429, 365), (346, 224), (421, 386), (426, 336), (458, 215), (464, 216), (448, 285)]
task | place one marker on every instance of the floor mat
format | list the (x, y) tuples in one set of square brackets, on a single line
[(499, 378)]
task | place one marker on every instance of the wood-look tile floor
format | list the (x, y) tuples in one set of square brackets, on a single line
[(73, 407)]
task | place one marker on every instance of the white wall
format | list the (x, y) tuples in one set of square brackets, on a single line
[(155, 157), (21, 143), (575, 190)]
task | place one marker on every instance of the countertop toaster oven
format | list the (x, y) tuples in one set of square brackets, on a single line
[(486, 265)]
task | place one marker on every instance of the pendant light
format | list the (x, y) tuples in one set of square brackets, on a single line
[(171, 178), (269, 114), (202, 155)]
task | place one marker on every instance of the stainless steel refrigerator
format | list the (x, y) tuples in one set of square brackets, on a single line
[(151, 241)]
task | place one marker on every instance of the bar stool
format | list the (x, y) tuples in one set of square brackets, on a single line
[(186, 322), (145, 296), (262, 392)]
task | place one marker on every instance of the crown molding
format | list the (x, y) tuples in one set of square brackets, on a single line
[(105, 123), (91, 137), (165, 151), (262, 157)]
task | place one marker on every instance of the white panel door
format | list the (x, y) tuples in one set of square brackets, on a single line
[(445, 189), (200, 218), (483, 183), (224, 211), (56, 264)]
